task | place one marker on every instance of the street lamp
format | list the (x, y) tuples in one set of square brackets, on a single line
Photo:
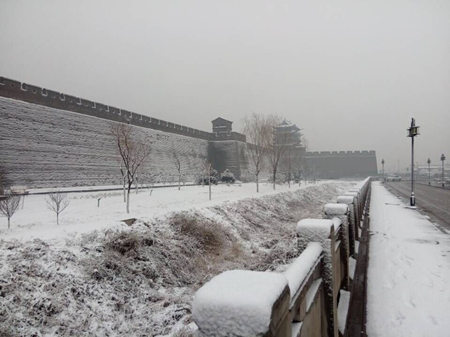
[(413, 131), (382, 164), (443, 176), (429, 171)]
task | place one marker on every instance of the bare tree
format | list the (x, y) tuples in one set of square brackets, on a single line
[(124, 179), (276, 146), (177, 163), (132, 153), (288, 163), (208, 175), (57, 202), (258, 130), (9, 205)]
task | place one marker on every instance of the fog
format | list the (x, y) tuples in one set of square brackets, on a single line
[(351, 74)]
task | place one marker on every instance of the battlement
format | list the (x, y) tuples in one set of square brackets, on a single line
[(42, 96), (340, 153), (232, 136)]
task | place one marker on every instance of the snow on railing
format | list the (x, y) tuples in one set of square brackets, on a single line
[(242, 303), (303, 300)]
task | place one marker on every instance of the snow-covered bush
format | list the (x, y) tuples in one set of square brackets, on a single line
[(227, 177), (204, 179)]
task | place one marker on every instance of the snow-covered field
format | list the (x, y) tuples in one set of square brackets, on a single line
[(35, 220), (409, 271), (95, 276)]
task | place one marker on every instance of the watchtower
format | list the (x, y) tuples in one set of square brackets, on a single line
[(221, 127)]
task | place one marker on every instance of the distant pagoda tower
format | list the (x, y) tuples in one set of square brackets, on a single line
[(287, 134)]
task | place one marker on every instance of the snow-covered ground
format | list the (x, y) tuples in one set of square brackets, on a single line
[(35, 220), (409, 271), (96, 276)]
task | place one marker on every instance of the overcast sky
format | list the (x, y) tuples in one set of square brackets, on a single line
[(350, 73)]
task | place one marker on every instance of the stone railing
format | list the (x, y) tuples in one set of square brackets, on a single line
[(302, 301)]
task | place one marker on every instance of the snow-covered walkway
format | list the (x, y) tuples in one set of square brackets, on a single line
[(408, 291)]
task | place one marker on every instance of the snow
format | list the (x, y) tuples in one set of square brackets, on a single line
[(295, 328), (351, 267), (237, 303), (344, 301), (298, 271), (34, 220), (336, 224), (335, 209), (342, 199), (408, 273), (313, 230), (121, 280)]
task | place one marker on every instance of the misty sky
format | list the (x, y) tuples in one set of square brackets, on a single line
[(350, 73)]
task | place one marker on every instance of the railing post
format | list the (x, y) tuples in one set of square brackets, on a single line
[(340, 211), (243, 303), (352, 220), (322, 231), (356, 203)]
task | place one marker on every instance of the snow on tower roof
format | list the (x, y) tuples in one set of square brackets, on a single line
[(220, 119)]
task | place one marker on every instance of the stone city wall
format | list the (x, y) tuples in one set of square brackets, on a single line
[(42, 146)]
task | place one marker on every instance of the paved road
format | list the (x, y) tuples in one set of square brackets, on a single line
[(433, 200)]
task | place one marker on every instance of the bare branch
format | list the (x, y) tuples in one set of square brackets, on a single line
[(57, 202), (258, 130), (9, 205), (132, 153)]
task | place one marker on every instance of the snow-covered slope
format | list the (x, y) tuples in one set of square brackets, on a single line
[(139, 280)]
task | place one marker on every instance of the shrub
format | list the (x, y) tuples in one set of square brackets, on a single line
[(227, 177), (204, 179)]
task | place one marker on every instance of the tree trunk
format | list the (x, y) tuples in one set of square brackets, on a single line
[(209, 177), (9, 222), (137, 185), (57, 218), (209, 188), (128, 199), (257, 182), (124, 195), (179, 181), (274, 177)]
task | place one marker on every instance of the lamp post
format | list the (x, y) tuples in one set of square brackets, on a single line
[(382, 165), (443, 175), (413, 131), (429, 171)]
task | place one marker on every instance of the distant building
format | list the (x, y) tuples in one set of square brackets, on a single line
[(221, 127), (287, 134)]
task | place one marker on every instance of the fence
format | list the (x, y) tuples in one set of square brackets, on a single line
[(302, 301)]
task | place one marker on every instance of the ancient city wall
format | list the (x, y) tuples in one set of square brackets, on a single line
[(53, 139), (42, 146), (341, 164), (33, 94)]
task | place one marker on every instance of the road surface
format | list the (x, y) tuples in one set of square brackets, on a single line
[(433, 200)]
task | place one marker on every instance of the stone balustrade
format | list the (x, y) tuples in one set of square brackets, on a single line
[(300, 302)]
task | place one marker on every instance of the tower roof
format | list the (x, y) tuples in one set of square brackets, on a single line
[(220, 119)]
